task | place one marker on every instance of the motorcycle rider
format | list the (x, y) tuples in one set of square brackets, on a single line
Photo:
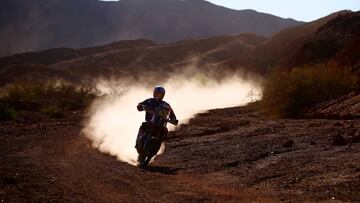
[(150, 105)]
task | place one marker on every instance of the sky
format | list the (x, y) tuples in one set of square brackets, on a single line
[(302, 10)]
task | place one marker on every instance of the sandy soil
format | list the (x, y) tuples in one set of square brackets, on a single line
[(225, 155)]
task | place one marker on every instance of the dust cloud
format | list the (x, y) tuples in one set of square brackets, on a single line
[(114, 120)]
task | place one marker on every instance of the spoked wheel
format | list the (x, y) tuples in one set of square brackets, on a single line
[(141, 159), (145, 162), (151, 147)]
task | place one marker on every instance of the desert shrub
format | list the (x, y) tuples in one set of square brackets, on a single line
[(53, 111), (286, 93), (7, 112), (52, 98)]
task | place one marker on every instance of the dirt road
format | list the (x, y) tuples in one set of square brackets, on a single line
[(232, 155)]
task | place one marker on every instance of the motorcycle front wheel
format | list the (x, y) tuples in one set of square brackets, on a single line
[(151, 147)]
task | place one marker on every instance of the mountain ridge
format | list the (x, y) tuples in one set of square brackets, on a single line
[(249, 53), (41, 25)]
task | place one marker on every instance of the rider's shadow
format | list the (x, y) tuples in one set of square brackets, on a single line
[(162, 169)]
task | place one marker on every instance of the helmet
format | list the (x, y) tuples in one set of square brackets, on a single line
[(159, 93)]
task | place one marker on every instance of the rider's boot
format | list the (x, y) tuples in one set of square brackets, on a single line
[(139, 146), (140, 141), (141, 137)]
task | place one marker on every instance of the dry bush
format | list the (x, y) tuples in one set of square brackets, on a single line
[(52, 97), (286, 93), (7, 112)]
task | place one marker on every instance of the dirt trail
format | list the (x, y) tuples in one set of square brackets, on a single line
[(227, 155)]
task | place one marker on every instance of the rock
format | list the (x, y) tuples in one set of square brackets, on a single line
[(356, 139), (339, 140), (231, 164), (289, 144), (10, 180), (352, 132)]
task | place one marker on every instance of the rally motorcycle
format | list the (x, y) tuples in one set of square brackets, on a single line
[(156, 133)]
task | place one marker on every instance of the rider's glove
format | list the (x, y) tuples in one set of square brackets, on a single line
[(140, 107), (175, 122)]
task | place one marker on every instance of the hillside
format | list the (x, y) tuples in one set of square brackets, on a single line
[(38, 25), (126, 58), (337, 40), (333, 38), (284, 44)]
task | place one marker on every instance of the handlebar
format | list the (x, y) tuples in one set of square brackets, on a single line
[(145, 108)]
